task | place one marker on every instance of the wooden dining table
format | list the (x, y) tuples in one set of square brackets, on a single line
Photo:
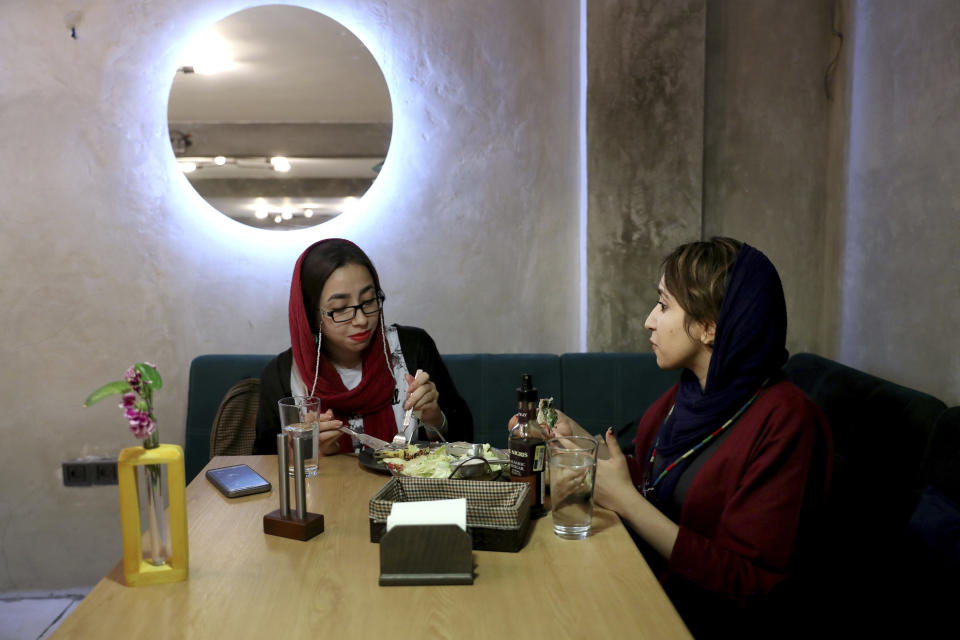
[(244, 583)]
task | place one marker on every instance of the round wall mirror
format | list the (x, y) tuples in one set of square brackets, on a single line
[(279, 117)]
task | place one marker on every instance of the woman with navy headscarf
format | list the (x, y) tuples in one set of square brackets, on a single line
[(730, 467)]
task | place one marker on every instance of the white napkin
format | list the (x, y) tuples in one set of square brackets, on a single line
[(452, 511)]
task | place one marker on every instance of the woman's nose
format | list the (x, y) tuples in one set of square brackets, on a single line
[(649, 323)]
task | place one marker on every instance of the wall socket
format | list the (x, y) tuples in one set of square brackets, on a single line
[(88, 472)]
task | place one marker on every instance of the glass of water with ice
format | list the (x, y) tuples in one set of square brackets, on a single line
[(572, 463)]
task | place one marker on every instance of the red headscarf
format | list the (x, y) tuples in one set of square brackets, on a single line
[(372, 398)]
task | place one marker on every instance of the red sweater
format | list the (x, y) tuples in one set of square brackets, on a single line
[(739, 519)]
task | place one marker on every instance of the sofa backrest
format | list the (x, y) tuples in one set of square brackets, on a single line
[(935, 523), (933, 539), (942, 463), (211, 376), (488, 383), (602, 390), (881, 432), (597, 389)]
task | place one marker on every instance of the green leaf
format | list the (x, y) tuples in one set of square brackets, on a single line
[(120, 386), (149, 375)]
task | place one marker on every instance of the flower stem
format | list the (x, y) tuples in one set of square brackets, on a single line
[(155, 514)]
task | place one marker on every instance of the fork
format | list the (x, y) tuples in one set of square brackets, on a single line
[(400, 441)]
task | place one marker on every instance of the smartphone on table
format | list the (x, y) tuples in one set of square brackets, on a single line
[(237, 480)]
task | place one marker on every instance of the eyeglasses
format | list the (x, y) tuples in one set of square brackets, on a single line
[(346, 314)]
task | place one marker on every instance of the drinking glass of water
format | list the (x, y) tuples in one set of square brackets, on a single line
[(299, 418), (572, 463)]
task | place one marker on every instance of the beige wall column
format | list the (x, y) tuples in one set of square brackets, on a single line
[(645, 95), (765, 151)]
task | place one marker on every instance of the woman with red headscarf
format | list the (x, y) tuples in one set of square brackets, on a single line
[(366, 373)]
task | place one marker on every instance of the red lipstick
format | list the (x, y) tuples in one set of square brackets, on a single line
[(360, 337)]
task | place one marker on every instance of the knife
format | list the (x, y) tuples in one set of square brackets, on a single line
[(374, 443)]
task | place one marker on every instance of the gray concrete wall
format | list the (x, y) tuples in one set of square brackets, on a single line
[(766, 141), (837, 156), (645, 65), (838, 83), (900, 269), (109, 258)]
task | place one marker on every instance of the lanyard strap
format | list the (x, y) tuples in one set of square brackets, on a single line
[(701, 444)]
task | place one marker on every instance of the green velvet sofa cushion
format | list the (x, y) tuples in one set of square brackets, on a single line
[(881, 432), (488, 383), (597, 389), (211, 376), (602, 390)]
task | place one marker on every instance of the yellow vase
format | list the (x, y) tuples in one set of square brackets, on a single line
[(137, 570)]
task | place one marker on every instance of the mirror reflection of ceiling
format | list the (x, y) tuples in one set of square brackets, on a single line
[(279, 117)]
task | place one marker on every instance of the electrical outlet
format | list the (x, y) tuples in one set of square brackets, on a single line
[(105, 472), (76, 473), (89, 471)]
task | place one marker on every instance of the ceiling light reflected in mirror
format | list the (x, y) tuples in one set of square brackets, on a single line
[(279, 117)]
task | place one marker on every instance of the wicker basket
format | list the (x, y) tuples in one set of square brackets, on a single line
[(498, 513)]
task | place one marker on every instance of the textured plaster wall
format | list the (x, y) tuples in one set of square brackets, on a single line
[(853, 195), (766, 141), (838, 82), (109, 259), (645, 65), (901, 244), (838, 157)]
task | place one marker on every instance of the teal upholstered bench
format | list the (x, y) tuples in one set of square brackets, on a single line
[(882, 435), (488, 383), (599, 390), (602, 390), (211, 376)]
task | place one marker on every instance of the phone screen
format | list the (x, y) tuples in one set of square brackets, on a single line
[(238, 480)]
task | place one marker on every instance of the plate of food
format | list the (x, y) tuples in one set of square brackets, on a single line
[(376, 460), (459, 460)]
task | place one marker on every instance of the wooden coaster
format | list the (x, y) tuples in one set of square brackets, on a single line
[(275, 524)]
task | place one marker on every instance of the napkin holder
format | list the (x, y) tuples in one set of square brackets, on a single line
[(426, 554), (299, 525)]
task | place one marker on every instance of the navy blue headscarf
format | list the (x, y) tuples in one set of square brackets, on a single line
[(749, 347)]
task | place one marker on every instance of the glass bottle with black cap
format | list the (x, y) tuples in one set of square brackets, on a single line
[(528, 450)]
